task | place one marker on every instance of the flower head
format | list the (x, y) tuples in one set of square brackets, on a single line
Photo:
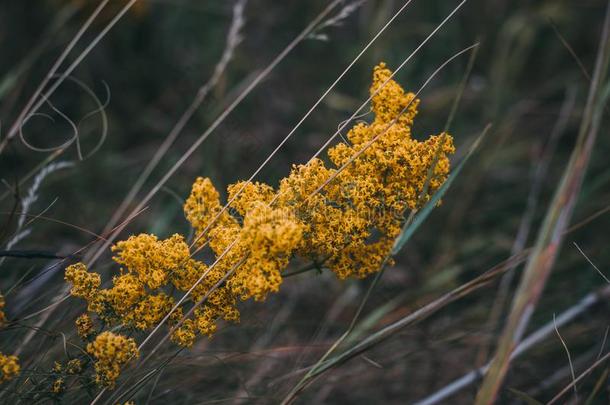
[(84, 326), (59, 385), (111, 352), (84, 284), (9, 367), (151, 259)]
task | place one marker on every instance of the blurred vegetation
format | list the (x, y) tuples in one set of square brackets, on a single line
[(148, 69)]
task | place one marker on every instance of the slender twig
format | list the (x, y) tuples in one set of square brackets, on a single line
[(565, 346), (580, 377), (591, 263)]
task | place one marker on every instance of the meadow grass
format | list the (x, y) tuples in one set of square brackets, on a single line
[(237, 303)]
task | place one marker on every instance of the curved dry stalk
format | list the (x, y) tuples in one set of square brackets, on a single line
[(565, 346), (33, 105), (62, 57), (591, 263)]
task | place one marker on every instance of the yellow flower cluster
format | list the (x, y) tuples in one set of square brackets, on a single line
[(344, 214), (139, 295), (84, 326), (74, 366), (58, 386), (111, 353), (84, 284), (9, 367)]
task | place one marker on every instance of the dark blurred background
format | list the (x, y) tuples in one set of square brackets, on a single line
[(529, 64)]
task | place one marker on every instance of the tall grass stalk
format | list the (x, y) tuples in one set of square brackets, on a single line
[(549, 238)]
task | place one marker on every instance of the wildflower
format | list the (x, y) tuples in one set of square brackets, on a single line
[(58, 386), (9, 367), (74, 366), (150, 259), (188, 274), (203, 205), (84, 326), (148, 312), (127, 291), (111, 352), (57, 367), (84, 284), (185, 335), (251, 193), (353, 220), (270, 236), (344, 214)]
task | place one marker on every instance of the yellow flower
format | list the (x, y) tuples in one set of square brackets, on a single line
[(74, 366), (352, 221), (148, 312), (344, 215), (111, 352), (202, 206), (389, 99), (270, 236), (127, 291), (58, 386), (251, 193), (84, 284), (150, 259), (185, 335), (84, 326), (9, 367)]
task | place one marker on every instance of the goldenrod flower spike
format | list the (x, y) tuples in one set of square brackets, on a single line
[(348, 224)]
